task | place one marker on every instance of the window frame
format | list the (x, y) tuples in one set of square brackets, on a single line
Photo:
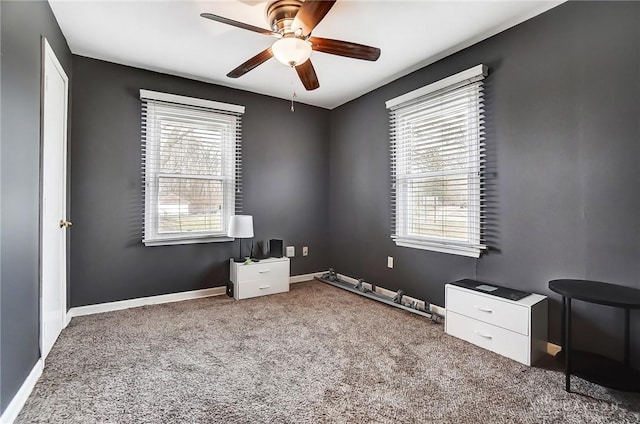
[(230, 169), (471, 173)]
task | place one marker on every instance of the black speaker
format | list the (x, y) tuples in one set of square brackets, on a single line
[(276, 248), (262, 250)]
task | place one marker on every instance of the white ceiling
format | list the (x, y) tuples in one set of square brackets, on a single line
[(171, 37)]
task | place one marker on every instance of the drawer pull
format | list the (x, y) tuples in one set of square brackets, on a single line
[(480, 308), (486, 336), (264, 287), (262, 271)]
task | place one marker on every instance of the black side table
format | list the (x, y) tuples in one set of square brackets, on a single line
[(590, 366)]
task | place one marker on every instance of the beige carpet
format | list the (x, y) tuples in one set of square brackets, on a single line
[(316, 354)]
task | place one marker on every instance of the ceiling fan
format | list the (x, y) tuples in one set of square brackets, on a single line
[(291, 22)]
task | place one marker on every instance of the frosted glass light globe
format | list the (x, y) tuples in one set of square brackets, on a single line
[(291, 51)]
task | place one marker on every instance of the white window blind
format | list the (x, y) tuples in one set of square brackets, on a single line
[(437, 165), (191, 155)]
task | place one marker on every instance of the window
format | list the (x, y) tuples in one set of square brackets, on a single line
[(437, 158), (191, 168)]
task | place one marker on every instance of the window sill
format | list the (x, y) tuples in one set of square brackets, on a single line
[(169, 242), (472, 252)]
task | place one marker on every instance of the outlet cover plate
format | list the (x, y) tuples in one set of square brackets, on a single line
[(291, 251)]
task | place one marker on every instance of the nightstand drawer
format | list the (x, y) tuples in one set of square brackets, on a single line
[(490, 337), (263, 271), (488, 309), (254, 288)]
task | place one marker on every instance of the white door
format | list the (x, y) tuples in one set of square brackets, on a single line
[(53, 262)]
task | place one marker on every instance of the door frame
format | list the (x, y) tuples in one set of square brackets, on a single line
[(47, 52)]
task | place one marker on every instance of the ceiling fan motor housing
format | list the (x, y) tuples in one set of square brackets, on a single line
[(280, 15)]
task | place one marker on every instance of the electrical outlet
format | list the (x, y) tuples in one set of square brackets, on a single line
[(305, 251), (291, 251), (389, 261)]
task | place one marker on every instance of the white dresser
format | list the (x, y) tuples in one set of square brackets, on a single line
[(268, 276), (515, 329)]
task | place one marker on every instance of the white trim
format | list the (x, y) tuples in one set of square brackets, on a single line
[(144, 301), (15, 406), (472, 252), (170, 242), (192, 101), (305, 277), (99, 308), (469, 74)]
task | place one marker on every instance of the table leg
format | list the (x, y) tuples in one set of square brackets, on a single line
[(626, 337), (567, 344), (562, 327)]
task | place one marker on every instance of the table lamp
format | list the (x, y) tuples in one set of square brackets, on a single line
[(240, 226)]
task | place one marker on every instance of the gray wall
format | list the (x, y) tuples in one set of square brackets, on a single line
[(23, 23), (285, 165), (563, 113), (563, 102)]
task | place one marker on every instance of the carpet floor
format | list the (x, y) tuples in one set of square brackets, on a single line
[(317, 354)]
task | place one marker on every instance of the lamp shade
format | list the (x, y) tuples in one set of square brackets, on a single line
[(241, 226)]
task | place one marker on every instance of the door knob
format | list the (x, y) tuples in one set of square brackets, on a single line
[(64, 223)]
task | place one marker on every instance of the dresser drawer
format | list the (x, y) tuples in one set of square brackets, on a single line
[(488, 309), (490, 337), (263, 271), (261, 287)]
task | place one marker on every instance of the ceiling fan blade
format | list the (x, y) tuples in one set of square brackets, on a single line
[(310, 14), (344, 48), (256, 60), (308, 75), (238, 24)]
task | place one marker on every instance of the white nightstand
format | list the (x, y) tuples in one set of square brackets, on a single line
[(515, 329), (268, 276)]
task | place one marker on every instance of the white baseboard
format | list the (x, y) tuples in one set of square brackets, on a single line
[(163, 298), (18, 401), (144, 301), (305, 277)]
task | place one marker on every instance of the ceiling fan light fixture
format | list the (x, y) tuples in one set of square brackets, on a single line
[(292, 22), (291, 51)]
